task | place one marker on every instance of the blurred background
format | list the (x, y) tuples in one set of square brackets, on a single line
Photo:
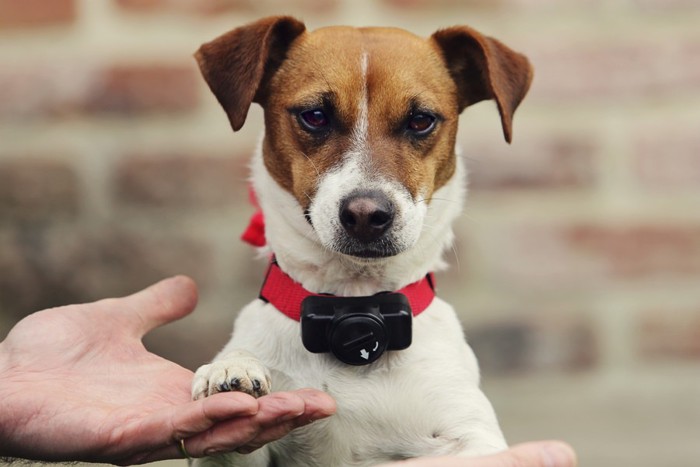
[(577, 269)]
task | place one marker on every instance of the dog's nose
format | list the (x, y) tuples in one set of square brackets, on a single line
[(366, 215)]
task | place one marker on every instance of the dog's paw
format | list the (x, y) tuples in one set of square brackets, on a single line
[(237, 371)]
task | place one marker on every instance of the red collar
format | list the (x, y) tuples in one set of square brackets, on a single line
[(286, 295)]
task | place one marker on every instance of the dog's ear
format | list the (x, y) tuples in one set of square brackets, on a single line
[(483, 68), (237, 64)]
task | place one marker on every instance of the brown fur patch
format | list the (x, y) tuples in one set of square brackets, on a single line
[(276, 63), (316, 66)]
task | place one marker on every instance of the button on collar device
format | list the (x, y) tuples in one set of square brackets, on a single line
[(356, 330)]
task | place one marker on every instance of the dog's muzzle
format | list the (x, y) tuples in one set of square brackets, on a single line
[(366, 218)]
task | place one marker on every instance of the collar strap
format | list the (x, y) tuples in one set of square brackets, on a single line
[(286, 295)]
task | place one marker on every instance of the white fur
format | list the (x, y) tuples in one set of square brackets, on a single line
[(361, 130), (302, 254), (424, 400), (355, 172)]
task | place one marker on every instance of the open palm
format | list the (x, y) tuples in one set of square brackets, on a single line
[(78, 384)]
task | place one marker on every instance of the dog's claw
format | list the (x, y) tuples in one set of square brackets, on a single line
[(235, 384), (238, 371)]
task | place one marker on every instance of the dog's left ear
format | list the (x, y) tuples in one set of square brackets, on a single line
[(237, 65), (484, 68)]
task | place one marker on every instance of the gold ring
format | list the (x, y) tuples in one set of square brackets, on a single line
[(183, 451)]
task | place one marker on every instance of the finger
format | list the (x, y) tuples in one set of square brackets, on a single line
[(201, 415), (278, 414), (538, 454), (275, 408), (557, 454), (317, 405), (157, 436), (161, 303)]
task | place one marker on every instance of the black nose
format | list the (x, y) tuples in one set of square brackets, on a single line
[(366, 215)]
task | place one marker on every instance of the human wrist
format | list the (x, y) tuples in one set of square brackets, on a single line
[(4, 382), (6, 422), (5, 378)]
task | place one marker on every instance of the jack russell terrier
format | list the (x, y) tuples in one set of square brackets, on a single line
[(359, 182)]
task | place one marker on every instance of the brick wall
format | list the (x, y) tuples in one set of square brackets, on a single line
[(577, 266)]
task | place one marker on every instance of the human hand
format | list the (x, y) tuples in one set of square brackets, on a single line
[(76, 383), (537, 454)]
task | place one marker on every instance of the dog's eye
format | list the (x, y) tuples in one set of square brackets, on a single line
[(421, 124), (314, 120)]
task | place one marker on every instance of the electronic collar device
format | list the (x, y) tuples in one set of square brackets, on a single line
[(356, 330)]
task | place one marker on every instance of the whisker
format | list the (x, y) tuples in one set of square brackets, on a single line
[(312, 163), (453, 248), (427, 200)]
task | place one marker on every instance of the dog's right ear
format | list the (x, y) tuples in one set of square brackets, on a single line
[(237, 64), (484, 68)]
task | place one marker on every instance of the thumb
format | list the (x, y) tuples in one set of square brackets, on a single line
[(161, 303), (537, 454)]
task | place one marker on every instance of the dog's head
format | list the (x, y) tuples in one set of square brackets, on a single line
[(361, 122)]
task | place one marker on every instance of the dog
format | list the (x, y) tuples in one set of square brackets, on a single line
[(359, 181)]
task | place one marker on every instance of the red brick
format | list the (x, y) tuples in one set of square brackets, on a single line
[(666, 5), (144, 88), (530, 4), (589, 256), (184, 6), (215, 7), (63, 89), (20, 291), (420, 4), (44, 267), (668, 159), (182, 181), (28, 91), (613, 70), (534, 343), (638, 251), (509, 6), (37, 189), (669, 334), (587, 5), (146, 5), (551, 163), (33, 13)]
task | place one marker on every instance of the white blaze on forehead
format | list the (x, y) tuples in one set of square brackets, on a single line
[(361, 130)]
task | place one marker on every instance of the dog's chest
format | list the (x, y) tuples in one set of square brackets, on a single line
[(409, 403), (380, 418)]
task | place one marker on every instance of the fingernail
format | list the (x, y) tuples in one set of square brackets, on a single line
[(557, 455)]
